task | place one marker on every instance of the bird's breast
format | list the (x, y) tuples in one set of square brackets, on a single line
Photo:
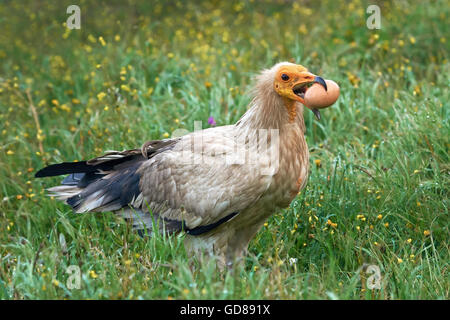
[(293, 169)]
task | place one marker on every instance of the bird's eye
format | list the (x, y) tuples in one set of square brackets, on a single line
[(284, 77)]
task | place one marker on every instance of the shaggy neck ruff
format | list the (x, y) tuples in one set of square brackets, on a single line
[(270, 111)]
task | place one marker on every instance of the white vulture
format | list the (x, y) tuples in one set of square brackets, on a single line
[(218, 185)]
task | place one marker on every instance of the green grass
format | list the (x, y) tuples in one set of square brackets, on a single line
[(379, 182)]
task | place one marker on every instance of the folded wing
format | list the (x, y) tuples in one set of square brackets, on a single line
[(178, 184)]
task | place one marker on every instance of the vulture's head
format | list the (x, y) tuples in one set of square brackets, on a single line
[(291, 82)]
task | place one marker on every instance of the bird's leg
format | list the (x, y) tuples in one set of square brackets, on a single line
[(238, 244), (237, 250), (205, 248)]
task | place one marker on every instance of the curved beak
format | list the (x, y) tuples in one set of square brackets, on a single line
[(321, 81), (299, 89), (316, 113)]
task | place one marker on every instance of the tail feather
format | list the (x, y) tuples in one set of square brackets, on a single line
[(73, 179), (110, 183), (64, 192), (109, 192), (106, 183), (64, 168), (106, 162)]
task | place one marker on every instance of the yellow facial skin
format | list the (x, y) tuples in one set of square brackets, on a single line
[(290, 76)]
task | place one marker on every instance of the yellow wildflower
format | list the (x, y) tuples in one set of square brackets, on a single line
[(317, 163), (100, 96), (91, 38)]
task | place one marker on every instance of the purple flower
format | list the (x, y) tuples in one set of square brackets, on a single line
[(211, 121)]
